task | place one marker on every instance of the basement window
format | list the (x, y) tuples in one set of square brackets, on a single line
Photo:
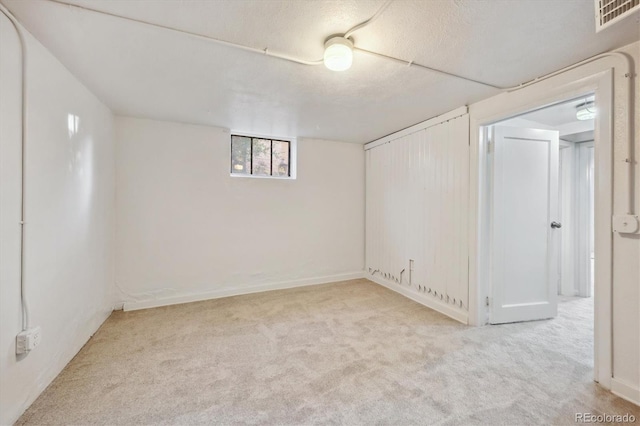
[(260, 157)]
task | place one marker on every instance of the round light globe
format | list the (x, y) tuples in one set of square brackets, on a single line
[(338, 54), (586, 111)]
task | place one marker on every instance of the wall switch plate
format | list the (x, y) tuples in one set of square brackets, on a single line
[(625, 224), (28, 340)]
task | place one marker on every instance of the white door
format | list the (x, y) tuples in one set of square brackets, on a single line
[(524, 225)]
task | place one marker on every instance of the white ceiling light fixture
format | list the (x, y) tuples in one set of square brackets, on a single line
[(345, 42), (586, 111), (338, 53)]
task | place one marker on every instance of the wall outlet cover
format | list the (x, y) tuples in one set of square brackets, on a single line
[(28, 340), (625, 224)]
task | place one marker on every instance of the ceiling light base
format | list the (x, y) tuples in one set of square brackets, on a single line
[(338, 53)]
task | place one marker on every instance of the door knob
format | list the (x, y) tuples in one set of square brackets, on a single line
[(556, 225)]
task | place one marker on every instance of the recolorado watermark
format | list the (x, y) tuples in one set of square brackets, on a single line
[(605, 418)]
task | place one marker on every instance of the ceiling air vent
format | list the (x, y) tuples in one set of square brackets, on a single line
[(608, 12)]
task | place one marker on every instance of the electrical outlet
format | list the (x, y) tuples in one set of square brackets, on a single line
[(28, 340)]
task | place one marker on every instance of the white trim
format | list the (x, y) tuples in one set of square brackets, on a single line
[(575, 127), (417, 127), (568, 213), (625, 390), (584, 184), (434, 304), (591, 78), (216, 294), (247, 176)]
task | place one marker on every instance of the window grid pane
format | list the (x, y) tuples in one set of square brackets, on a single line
[(280, 158), (240, 155), (260, 156)]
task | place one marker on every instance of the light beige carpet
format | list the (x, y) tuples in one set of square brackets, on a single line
[(343, 353)]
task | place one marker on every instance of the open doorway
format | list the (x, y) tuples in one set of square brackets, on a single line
[(574, 122), (555, 91), (539, 206)]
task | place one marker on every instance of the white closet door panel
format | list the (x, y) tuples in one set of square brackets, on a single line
[(417, 196)]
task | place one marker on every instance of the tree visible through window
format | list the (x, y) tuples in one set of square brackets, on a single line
[(259, 156)]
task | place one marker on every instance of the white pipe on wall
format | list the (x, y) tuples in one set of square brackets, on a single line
[(23, 143)]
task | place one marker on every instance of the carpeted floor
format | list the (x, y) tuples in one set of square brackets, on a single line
[(343, 353)]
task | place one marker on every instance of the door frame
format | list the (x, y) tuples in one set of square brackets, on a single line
[(583, 216), (510, 104), (568, 211)]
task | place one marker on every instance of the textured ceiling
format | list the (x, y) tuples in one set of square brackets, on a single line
[(149, 72)]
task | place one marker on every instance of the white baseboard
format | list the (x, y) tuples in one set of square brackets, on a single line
[(427, 301), (625, 390), (216, 294)]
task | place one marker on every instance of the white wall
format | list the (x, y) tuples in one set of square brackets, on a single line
[(626, 248), (417, 196), (70, 219), (188, 231)]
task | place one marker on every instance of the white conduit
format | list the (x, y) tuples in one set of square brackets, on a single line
[(368, 21), (23, 145), (264, 51), (415, 64)]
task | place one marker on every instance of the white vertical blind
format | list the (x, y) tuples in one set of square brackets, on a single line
[(416, 223)]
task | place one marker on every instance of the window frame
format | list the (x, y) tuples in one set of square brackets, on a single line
[(292, 151)]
